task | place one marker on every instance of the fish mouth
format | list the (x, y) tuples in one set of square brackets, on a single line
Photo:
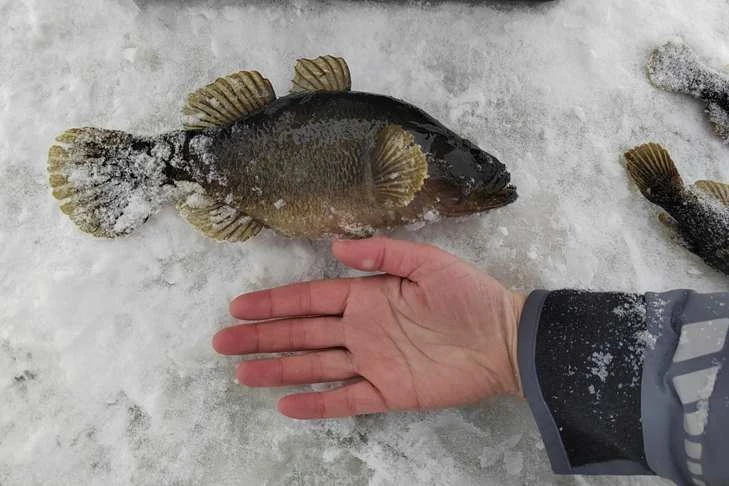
[(451, 200)]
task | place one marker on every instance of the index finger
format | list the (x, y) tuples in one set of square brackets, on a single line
[(322, 297), (397, 257)]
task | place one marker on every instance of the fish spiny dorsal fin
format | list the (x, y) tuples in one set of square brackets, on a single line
[(716, 190), (218, 220), (399, 166), (227, 99), (651, 168), (325, 73)]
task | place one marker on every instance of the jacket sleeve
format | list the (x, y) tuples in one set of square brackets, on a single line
[(630, 384)]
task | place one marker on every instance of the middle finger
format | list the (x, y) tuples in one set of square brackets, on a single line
[(282, 335)]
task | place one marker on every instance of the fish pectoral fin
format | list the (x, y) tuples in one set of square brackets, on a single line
[(674, 231), (218, 220), (650, 166), (715, 190), (325, 73), (668, 221), (719, 119), (227, 99), (399, 166)]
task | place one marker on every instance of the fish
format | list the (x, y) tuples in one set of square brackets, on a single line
[(323, 161), (675, 67), (699, 214)]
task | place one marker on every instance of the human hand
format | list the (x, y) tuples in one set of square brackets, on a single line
[(430, 332)]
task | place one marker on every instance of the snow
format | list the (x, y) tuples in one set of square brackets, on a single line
[(106, 371), (601, 362)]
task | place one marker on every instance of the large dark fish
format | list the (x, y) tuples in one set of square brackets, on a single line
[(675, 67), (320, 162), (699, 213)]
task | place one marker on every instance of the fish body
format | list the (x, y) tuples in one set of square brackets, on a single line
[(698, 213), (323, 162), (675, 67)]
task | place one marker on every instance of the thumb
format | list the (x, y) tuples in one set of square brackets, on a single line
[(396, 257)]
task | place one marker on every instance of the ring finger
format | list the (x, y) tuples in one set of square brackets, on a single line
[(316, 367)]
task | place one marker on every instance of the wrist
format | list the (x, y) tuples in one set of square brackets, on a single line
[(518, 300)]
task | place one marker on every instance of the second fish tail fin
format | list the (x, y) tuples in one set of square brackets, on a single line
[(108, 181), (651, 168), (674, 66)]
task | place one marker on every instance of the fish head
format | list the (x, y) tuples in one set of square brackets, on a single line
[(465, 178)]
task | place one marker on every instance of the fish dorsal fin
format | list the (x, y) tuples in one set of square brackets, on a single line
[(325, 73), (716, 190), (399, 166), (218, 220), (650, 165), (227, 99)]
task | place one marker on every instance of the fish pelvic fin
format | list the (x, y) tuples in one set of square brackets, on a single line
[(218, 220), (325, 73), (399, 166), (651, 168), (226, 100), (107, 181)]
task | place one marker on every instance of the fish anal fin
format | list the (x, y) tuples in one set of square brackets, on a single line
[(227, 99), (218, 220), (325, 73), (716, 190), (399, 166), (651, 168)]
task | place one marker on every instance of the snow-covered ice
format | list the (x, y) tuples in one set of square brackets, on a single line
[(107, 375)]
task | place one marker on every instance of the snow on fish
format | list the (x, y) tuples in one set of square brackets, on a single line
[(675, 67), (322, 161), (699, 214)]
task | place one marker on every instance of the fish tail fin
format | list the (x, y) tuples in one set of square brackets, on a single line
[(651, 168), (107, 181), (675, 67)]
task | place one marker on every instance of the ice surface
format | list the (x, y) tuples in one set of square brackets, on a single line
[(106, 371)]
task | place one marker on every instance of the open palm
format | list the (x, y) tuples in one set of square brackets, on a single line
[(432, 331)]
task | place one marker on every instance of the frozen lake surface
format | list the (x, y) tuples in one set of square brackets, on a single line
[(107, 375)]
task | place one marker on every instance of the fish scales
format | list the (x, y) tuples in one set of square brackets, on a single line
[(319, 166)]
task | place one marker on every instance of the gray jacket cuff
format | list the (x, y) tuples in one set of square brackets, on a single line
[(558, 456), (526, 350)]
